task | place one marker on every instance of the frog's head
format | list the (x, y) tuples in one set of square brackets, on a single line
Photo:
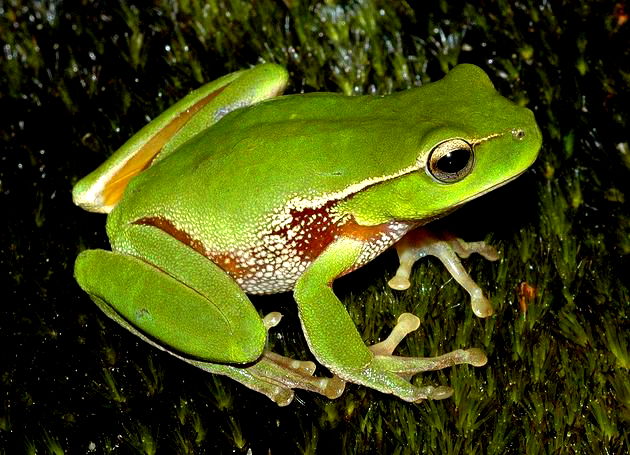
[(470, 140)]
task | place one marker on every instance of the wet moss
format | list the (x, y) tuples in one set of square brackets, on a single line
[(76, 85)]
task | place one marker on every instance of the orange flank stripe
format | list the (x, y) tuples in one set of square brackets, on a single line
[(168, 227), (355, 231), (143, 158)]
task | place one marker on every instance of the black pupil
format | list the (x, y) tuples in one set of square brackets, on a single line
[(454, 161)]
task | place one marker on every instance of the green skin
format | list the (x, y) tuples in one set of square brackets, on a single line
[(245, 196)]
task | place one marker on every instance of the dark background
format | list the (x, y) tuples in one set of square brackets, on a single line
[(79, 77)]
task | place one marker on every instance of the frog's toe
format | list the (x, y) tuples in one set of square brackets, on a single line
[(282, 396), (489, 252), (476, 357), (480, 304), (413, 393), (296, 374), (329, 387), (333, 387), (272, 319), (303, 367), (439, 393), (406, 324), (465, 249), (399, 282), (408, 366), (404, 368)]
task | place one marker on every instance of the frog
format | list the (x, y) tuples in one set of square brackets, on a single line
[(239, 190)]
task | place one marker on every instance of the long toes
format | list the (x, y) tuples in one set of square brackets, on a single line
[(406, 324)]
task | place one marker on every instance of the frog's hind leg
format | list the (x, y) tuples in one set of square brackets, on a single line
[(407, 367), (174, 298), (273, 375)]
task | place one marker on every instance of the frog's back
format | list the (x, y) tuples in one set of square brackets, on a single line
[(257, 159), (243, 167)]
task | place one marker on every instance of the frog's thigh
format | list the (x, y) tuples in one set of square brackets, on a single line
[(174, 295)]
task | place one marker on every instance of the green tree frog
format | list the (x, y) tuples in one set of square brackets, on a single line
[(235, 190)]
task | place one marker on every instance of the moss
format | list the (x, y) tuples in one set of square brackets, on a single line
[(75, 86)]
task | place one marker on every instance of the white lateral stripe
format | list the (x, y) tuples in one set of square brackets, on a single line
[(301, 203)]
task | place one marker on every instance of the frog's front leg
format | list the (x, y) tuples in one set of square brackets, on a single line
[(179, 301), (448, 249), (336, 343)]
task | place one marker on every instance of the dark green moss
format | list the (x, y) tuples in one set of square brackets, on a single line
[(79, 77)]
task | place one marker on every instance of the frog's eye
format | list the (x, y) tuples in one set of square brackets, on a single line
[(450, 161)]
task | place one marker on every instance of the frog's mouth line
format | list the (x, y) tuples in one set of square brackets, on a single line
[(491, 188), (455, 207)]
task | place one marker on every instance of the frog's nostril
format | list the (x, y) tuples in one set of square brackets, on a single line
[(518, 134)]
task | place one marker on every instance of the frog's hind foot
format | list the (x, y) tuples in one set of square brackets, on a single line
[(274, 375), (407, 367), (277, 376), (299, 374)]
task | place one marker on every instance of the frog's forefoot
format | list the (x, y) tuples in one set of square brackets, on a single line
[(407, 367), (448, 249)]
